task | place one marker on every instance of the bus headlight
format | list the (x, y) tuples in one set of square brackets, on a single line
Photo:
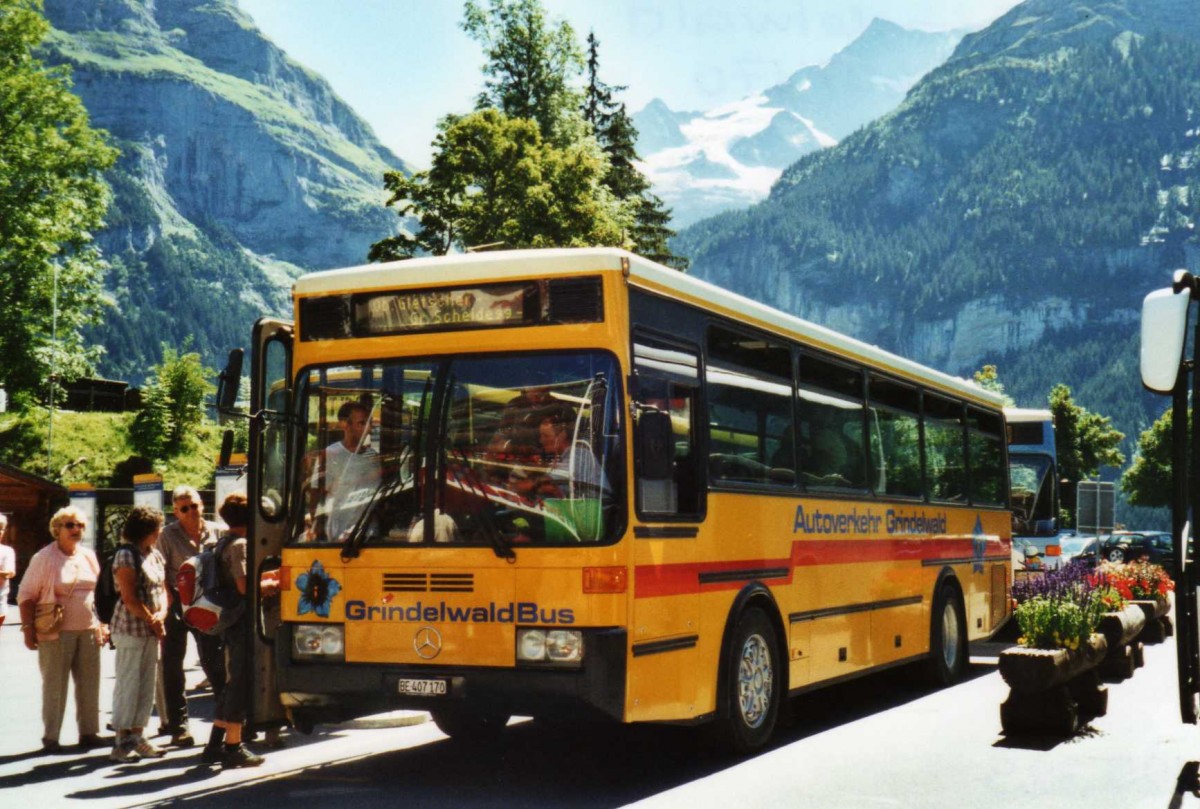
[(563, 647), (311, 641)]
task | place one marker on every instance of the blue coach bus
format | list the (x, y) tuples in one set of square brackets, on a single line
[(1033, 475)]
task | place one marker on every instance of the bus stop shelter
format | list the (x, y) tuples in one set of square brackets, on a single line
[(28, 501)]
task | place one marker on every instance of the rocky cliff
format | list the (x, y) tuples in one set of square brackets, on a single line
[(234, 156)]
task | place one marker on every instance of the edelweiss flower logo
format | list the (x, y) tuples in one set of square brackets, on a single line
[(317, 589)]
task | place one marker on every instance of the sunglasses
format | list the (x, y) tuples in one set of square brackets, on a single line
[(187, 508), (71, 526)]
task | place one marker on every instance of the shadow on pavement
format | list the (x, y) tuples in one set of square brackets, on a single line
[(1188, 783), (138, 778), (562, 763), (59, 767)]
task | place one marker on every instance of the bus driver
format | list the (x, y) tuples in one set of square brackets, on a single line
[(344, 475)]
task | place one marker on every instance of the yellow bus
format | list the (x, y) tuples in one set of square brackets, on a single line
[(574, 483)]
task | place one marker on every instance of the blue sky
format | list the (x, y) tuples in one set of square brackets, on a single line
[(402, 64)]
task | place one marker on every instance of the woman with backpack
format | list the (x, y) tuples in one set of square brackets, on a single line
[(137, 629), (225, 744)]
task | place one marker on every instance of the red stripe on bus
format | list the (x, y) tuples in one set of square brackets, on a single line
[(653, 581)]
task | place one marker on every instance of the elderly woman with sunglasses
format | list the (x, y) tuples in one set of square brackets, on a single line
[(65, 572)]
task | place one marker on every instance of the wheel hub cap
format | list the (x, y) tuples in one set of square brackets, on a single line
[(755, 681)]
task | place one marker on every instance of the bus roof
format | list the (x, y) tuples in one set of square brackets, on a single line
[(523, 264), (1026, 414)]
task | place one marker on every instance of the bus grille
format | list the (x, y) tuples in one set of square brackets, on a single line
[(429, 582)]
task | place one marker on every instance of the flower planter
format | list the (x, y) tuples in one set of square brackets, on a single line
[(1155, 610), (1121, 630), (1051, 691)]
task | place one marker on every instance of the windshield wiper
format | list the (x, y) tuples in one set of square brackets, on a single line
[(357, 536), (500, 544)]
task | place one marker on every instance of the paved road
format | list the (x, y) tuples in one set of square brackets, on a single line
[(880, 741)]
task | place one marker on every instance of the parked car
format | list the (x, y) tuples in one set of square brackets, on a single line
[(1129, 546), (1084, 549)]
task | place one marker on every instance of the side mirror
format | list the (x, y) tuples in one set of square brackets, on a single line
[(226, 449), (1164, 331), (229, 380), (657, 445)]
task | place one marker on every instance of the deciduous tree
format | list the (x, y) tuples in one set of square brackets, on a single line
[(1084, 442), (531, 62), (172, 404), (494, 179), (1148, 481), (52, 197)]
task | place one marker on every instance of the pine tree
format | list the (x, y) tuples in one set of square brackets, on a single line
[(617, 136)]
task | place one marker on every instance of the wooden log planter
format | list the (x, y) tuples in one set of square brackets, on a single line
[(1051, 691), (1158, 625), (1122, 630)]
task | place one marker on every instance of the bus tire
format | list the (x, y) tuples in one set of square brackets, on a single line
[(463, 725), (302, 722), (947, 637), (753, 679)]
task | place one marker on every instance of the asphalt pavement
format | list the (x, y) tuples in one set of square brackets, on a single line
[(874, 742)]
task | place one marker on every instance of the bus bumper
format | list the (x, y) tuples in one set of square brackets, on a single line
[(315, 693)]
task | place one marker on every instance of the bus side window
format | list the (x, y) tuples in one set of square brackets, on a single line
[(945, 450), (832, 447), (668, 383)]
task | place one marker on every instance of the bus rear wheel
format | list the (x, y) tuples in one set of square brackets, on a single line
[(947, 638), (753, 684), (463, 725)]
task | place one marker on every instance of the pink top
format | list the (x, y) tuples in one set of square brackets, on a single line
[(69, 580)]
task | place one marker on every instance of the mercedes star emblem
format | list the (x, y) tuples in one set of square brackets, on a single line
[(427, 642)]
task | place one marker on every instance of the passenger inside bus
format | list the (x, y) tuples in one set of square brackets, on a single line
[(515, 445), (572, 471), (829, 456)]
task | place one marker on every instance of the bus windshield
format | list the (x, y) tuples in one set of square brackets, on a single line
[(499, 451), (1032, 487)]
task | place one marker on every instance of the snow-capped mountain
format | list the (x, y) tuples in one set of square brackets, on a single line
[(702, 163)]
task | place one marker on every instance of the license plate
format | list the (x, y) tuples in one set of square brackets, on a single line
[(422, 688)]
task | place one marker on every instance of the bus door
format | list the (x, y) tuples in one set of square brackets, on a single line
[(1165, 369), (270, 436), (665, 625)]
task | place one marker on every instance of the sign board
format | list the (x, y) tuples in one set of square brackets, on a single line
[(83, 498), (148, 491), (228, 480), (1095, 507)]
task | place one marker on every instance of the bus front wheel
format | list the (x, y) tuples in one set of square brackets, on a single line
[(753, 684), (463, 725), (947, 637)]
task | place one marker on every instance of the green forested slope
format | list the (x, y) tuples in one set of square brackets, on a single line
[(1013, 211)]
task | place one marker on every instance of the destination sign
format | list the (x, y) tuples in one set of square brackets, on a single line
[(422, 310), (572, 299)]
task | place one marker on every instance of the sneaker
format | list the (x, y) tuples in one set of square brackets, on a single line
[(125, 751), (147, 750), (240, 757), (183, 739)]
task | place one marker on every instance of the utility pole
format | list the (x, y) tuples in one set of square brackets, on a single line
[(53, 372)]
